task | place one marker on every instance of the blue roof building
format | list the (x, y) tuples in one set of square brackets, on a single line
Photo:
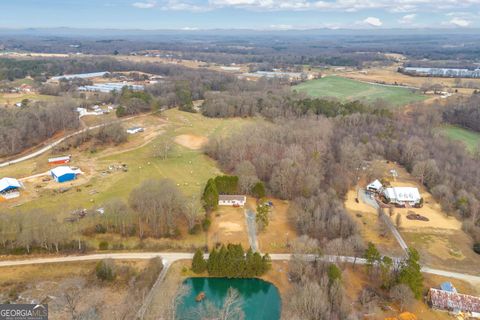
[(448, 286), (63, 174)]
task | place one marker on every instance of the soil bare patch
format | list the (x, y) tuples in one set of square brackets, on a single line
[(191, 141)]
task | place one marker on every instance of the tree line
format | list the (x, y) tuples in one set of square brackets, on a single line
[(232, 262), (154, 209), (24, 127)]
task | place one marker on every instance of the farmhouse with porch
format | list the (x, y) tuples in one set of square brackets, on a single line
[(231, 200)]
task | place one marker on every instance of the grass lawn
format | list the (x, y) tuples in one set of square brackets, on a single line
[(189, 169), (470, 138), (349, 90), (12, 98)]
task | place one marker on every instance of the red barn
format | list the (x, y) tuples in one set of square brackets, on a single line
[(59, 160)]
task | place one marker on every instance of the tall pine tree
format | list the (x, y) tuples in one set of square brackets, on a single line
[(199, 264)]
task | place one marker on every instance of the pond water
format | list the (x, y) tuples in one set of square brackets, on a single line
[(260, 300)]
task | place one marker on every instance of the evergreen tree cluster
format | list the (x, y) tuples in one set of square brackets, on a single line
[(231, 261), (210, 196), (258, 190), (227, 184), (216, 186), (407, 273)]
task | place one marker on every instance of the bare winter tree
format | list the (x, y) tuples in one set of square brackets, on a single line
[(403, 295)]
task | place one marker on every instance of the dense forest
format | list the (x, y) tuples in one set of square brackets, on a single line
[(465, 113), (315, 158), (22, 128)]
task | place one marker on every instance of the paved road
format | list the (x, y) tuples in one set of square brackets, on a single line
[(57, 142), (251, 229), (175, 256)]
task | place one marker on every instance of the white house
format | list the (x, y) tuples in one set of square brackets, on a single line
[(375, 186), (402, 196), (231, 200), (135, 130)]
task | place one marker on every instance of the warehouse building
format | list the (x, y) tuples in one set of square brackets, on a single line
[(63, 174)]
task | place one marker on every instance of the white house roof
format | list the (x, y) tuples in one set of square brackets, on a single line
[(402, 193), (6, 183), (375, 185), (62, 170), (226, 197)]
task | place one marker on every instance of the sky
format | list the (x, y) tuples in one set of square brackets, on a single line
[(240, 14)]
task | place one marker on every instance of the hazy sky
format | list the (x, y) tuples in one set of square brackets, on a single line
[(249, 14)]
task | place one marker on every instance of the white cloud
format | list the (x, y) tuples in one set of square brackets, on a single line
[(407, 19), (459, 22), (281, 26), (145, 5), (345, 5), (190, 28), (373, 21)]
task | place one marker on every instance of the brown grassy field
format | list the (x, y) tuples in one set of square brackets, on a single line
[(48, 283), (389, 75), (228, 226), (279, 232)]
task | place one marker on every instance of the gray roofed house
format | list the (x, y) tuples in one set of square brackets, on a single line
[(231, 200)]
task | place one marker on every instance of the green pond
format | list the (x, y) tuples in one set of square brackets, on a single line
[(260, 300)]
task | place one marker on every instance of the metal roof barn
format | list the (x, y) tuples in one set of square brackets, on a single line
[(8, 184), (63, 174)]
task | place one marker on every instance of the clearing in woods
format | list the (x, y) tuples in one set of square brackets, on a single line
[(349, 90), (188, 168), (441, 241), (470, 138)]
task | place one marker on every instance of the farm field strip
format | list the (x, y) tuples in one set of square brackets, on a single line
[(350, 90)]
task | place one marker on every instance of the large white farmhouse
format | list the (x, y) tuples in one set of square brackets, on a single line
[(402, 196)]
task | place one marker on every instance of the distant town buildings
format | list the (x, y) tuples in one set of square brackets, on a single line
[(442, 72), (80, 76), (290, 76), (110, 87)]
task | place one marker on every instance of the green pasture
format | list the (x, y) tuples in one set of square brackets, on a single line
[(349, 90)]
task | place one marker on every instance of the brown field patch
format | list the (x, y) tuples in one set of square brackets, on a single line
[(280, 232), (228, 226), (191, 141), (389, 75)]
